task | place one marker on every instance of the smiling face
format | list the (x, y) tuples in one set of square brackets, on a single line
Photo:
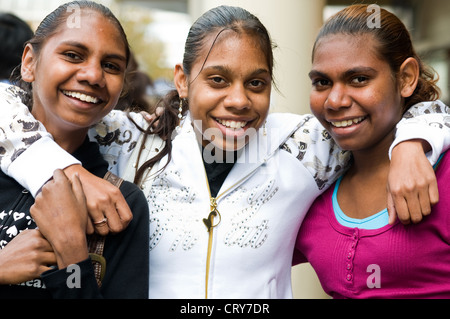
[(354, 93), (77, 76), (229, 95)]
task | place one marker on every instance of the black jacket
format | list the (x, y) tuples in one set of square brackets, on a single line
[(126, 253)]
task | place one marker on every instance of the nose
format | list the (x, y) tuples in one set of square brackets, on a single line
[(92, 73), (237, 97), (338, 97)]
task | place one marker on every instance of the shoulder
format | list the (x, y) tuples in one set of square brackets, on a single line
[(443, 165), (427, 107), (282, 120), (10, 93), (135, 198), (282, 126)]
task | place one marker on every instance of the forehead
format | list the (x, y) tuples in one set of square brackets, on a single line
[(346, 51), (89, 26), (233, 49)]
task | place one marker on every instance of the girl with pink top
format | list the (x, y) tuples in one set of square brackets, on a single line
[(363, 80)]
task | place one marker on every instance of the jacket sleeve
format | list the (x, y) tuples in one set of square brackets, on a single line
[(429, 121), (318, 152), (19, 131), (25, 143), (117, 135), (127, 261), (324, 159), (74, 282)]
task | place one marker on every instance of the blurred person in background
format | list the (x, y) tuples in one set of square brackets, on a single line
[(135, 98), (14, 32)]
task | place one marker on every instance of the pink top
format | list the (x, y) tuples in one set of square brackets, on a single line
[(391, 262)]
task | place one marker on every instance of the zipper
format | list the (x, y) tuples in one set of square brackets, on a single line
[(209, 222), (210, 225)]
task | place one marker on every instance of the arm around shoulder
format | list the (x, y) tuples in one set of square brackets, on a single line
[(319, 153)]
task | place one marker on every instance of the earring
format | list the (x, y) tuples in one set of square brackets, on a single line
[(180, 117), (180, 110)]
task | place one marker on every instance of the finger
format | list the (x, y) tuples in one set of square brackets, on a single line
[(59, 181), (59, 175), (147, 116), (159, 110), (414, 208), (433, 193), (43, 269), (119, 214), (425, 203), (101, 226), (402, 210), (48, 258), (391, 210), (77, 188), (46, 246), (96, 211), (95, 224), (118, 217), (124, 212), (90, 227)]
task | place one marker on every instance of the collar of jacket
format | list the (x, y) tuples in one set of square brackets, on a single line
[(279, 127)]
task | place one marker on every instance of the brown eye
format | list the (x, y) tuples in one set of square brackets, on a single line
[(217, 80), (256, 83), (359, 80), (320, 83), (72, 56), (113, 68)]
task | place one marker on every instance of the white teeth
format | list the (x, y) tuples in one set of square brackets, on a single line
[(82, 97), (347, 123), (232, 124)]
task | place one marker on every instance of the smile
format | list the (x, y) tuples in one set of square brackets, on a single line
[(347, 123), (82, 97), (235, 125)]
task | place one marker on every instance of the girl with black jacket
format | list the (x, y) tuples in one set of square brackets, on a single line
[(75, 76)]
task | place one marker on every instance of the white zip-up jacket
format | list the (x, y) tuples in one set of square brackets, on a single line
[(248, 251), (261, 204)]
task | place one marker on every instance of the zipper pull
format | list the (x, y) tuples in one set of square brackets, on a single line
[(208, 221), (214, 212)]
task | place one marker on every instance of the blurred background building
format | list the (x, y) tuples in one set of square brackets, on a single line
[(157, 30)]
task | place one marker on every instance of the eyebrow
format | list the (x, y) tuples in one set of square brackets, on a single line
[(226, 69), (348, 73), (315, 74), (85, 48)]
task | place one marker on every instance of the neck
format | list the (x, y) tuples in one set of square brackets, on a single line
[(69, 141), (67, 135), (363, 189), (373, 160)]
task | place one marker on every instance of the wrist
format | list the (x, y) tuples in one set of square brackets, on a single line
[(71, 251), (71, 170), (414, 144)]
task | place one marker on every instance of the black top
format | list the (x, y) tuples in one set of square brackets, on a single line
[(126, 253), (217, 172)]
